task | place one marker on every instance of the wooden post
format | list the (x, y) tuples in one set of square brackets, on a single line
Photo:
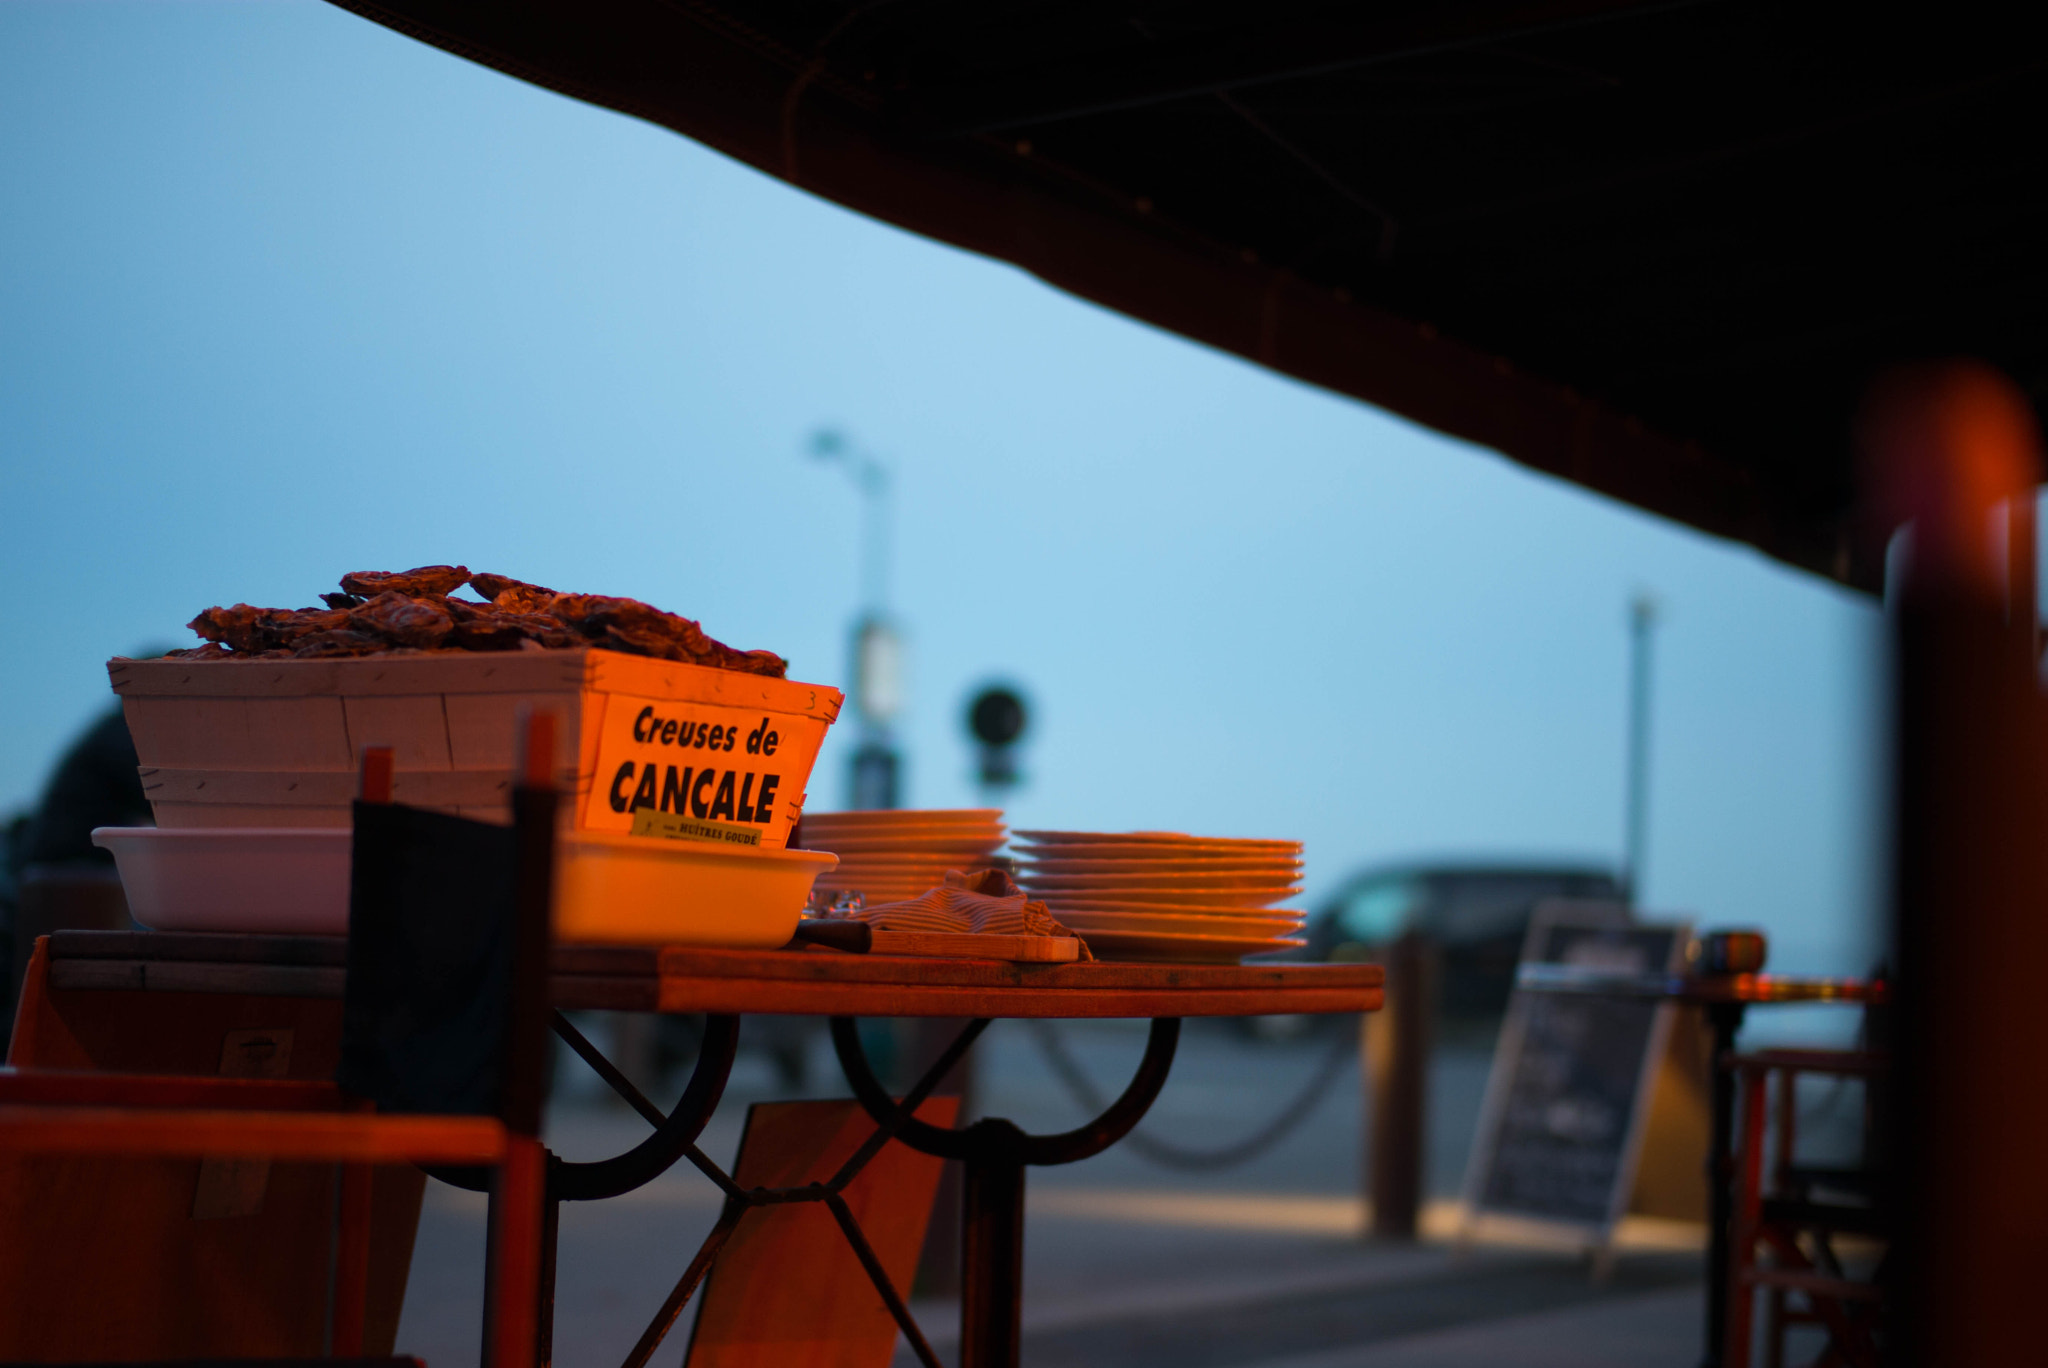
[(1947, 447), (1396, 1059), (512, 1256), (352, 1259)]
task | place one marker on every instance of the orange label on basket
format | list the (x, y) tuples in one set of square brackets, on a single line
[(700, 771)]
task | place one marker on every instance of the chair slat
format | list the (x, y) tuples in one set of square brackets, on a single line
[(82, 1089), (180, 1134)]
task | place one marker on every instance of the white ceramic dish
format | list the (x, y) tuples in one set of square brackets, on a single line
[(932, 869), (609, 889), (1138, 899), (1155, 850), (1166, 880), (893, 817), (289, 880), (1162, 868), (883, 847), (912, 837), (1111, 906), (1144, 923), (1152, 838)]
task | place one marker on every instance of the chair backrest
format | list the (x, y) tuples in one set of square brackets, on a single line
[(446, 1004)]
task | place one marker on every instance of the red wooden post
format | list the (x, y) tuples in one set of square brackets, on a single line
[(513, 1261), (2023, 571), (537, 749), (379, 772), (1947, 449), (352, 1260)]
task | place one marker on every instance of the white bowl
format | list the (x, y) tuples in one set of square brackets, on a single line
[(290, 880), (294, 881), (648, 890)]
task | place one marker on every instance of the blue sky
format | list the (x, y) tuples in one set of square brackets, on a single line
[(283, 294)]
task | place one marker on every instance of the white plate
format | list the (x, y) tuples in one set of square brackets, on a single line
[(1147, 923), (1188, 902), (290, 880), (1131, 900), (1165, 880), (1163, 868), (908, 831), (902, 859), (1161, 850), (1110, 945), (1113, 907), (1150, 838), (908, 867), (897, 819), (907, 845)]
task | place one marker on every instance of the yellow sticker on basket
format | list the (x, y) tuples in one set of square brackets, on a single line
[(647, 822), (700, 771)]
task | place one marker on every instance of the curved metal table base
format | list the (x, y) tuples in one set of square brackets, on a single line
[(675, 1135), (996, 1154)]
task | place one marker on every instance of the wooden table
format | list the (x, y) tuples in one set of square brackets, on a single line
[(809, 982), (725, 984), (1725, 998)]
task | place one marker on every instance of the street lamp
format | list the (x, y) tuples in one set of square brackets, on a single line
[(1642, 623), (877, 648)]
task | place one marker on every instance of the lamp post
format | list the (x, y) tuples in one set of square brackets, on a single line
[(875, 780), (1642, 623)]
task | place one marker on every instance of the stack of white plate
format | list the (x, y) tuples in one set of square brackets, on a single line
[(1159, 895), (889, 856)]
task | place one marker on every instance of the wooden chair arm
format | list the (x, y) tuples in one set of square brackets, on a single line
[(1846, 1063), (194, 1134), (91, 1089)]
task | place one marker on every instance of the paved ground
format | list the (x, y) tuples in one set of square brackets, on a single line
[(1128, 1263)]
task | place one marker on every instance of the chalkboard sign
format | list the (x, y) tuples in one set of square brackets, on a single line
[(1570, 1089)]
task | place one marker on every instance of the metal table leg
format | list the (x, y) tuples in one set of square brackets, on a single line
[(996, 1154), (991, 1247)]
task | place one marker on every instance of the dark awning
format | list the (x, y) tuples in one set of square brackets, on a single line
[(1654, 249)]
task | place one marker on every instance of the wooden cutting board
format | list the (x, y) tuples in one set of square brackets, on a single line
[(966, 945)]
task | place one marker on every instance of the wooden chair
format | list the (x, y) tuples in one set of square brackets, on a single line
[(1785, 1232), (465, 1057), (790, 1288)]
